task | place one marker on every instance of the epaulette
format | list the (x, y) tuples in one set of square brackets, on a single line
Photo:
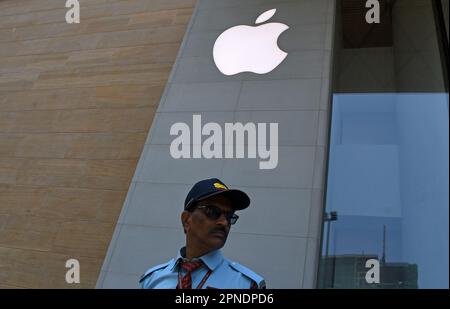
[(152, 270), (249, 273)]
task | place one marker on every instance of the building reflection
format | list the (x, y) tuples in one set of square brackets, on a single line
[(349, 272)]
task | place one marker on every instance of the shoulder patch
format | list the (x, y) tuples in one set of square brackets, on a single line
[(248, 273), (152, 270)]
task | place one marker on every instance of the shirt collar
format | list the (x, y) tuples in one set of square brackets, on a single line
[(212, 259)]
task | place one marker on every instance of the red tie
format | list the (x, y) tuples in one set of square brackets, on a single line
[(189, 267)]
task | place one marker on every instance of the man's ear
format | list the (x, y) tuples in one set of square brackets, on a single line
[(185, 220)]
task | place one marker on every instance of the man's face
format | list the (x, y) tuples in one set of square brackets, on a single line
[(203, 231)]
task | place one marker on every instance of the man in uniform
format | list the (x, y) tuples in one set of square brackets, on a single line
[(209, 212)]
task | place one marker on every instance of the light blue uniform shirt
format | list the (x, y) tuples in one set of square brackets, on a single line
[(225, 274)]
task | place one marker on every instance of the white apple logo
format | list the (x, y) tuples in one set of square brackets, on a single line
[(250, 49)]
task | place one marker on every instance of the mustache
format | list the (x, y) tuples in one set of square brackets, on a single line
[(218, 229)]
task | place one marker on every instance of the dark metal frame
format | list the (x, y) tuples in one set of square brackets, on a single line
[(441, 31)]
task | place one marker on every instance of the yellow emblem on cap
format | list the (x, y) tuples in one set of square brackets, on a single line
[(220, 186)]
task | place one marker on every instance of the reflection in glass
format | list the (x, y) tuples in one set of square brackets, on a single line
[(387, 194), (388, 185)]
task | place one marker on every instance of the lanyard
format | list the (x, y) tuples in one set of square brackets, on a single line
[(200, 285)]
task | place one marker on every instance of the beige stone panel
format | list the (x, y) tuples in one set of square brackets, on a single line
[(81, 204), (29, 232), (21, 200), (94, 174), (117, 96), (79, 120), (148, 74), (76, 103), (40, 269), (83, 238)]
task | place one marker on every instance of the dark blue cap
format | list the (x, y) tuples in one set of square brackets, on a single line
[(212, 187)]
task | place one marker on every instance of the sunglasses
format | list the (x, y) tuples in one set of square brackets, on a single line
[(214, 213)]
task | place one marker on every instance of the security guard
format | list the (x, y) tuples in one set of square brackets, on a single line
[(209, 212)]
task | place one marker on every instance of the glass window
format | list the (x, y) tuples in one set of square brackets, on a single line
[(387, 197)]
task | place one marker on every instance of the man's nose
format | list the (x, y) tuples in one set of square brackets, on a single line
[(223, 220)]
